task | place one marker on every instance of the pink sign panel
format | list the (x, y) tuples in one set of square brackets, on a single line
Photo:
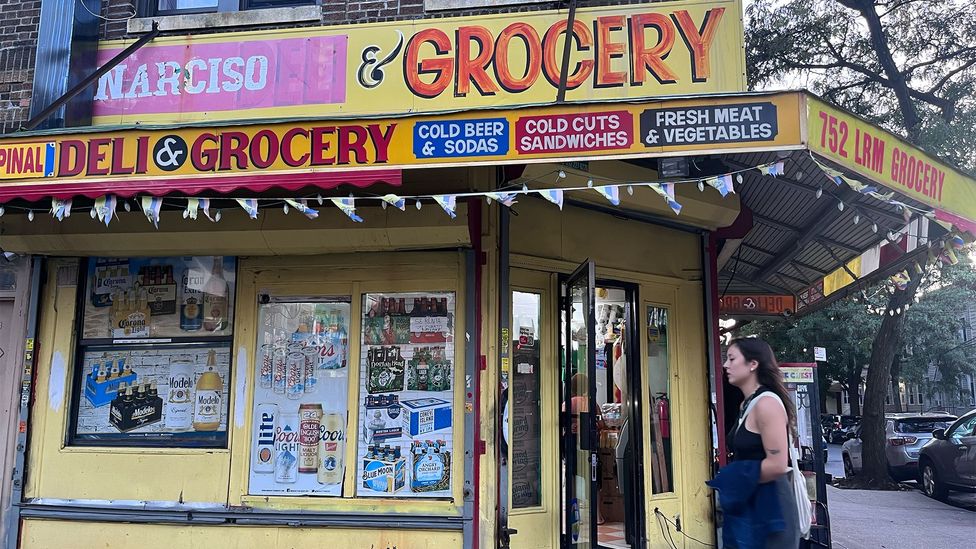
[(224, 76), (574, 132)]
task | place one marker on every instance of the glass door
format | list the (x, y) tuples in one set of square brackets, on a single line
[(579, 408)]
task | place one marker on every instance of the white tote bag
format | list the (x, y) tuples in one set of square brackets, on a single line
[(803, 510)]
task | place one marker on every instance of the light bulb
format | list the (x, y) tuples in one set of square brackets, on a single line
[(701, 186), (857, 218), (125, 204), (285, 208), (874, 227), (30, 215), (418, 204), (738, 178), (562, 174), (840, 206), (589, 182), (630, 190), (318, 197), (819, 192), (217, 216)]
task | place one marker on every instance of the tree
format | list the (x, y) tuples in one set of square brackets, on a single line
[(908, 65)]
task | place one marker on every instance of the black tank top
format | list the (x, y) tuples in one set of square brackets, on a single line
[(744, 443)]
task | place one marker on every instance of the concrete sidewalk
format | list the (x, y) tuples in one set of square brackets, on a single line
[(868, 519)]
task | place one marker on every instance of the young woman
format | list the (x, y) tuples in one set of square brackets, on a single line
[(751, 367)]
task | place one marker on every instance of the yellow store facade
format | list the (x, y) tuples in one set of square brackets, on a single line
[(379, 314)]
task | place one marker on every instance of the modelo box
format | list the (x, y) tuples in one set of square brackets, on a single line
[(425, 415)]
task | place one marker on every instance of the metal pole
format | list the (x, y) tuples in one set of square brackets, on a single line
[(504, 344), (564, 71), (26, 390)]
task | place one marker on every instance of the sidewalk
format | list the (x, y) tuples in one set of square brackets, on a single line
[(868, 519)]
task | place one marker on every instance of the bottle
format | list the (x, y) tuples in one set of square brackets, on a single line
[(191, 301), (215, 298), (206, 410), (179, 402)]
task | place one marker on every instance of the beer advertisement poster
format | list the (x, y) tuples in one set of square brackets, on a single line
[(173, 396), (300, 399), (405, 435), (161, 297)]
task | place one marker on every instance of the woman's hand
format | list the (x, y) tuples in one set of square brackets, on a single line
[(771, 421)]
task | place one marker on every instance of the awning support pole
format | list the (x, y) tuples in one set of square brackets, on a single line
[(91, 78), (564, 71)]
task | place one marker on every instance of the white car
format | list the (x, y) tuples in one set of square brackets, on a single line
[(905, 434)]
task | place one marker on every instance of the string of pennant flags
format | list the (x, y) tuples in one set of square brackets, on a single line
[(105, 208)]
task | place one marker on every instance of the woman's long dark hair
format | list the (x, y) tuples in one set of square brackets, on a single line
[(770, 377)]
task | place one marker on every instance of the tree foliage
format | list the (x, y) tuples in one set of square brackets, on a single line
[(907, 65)]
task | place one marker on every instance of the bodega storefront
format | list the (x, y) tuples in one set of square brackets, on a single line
[(413, 318)]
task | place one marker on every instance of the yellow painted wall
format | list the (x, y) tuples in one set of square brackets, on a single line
[(54, 533)]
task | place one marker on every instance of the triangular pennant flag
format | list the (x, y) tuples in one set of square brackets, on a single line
[(348, 207), (205, 206), (722, 183), (150, 207), (250, 206), (448, 202), (192, 206), (395, 201), (303, 208), (773, 169), (948, 255), (666, 190), (503, 198), (105, 208), (60, 209), (610, 192), (553, 195)]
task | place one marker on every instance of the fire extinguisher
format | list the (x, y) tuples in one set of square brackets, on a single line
[(663, 414)]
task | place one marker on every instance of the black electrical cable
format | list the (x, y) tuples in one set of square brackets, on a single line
[(661, 515), (738, 252)]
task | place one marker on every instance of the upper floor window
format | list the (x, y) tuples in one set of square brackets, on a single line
[(150, 8)]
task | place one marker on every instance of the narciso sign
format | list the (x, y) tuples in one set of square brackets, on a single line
[(425, 66)]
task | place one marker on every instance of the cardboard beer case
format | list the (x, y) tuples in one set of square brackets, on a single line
[(425, 415)]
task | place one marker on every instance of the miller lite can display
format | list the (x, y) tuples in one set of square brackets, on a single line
[(295, 375), (310, 418), (286, 448), (332, 446), (266, 420)]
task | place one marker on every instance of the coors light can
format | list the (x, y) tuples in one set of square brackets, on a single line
[(286, 449)]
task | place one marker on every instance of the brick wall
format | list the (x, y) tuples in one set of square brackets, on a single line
[(335, 12), (18, 37)]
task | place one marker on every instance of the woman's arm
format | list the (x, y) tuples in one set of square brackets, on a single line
[(771, 423)]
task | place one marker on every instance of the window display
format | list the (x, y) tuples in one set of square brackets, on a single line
[(659, 387), (405, 436), (159, 297), (300, 398), (173, 396)]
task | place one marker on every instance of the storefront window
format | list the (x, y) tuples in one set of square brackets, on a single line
[(659, 387), (300, 398), (526, 402), (405, 437), (154, 359)]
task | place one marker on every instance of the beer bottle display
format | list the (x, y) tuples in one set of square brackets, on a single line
[(206, 410), (191, 300), (178, 412), (216, 298)]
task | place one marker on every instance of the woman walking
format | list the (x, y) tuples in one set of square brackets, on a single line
[(757, 484)]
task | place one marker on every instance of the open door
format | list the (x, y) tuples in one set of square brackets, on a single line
[(579, 407)]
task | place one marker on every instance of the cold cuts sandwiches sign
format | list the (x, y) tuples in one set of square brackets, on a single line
[(427, 66)]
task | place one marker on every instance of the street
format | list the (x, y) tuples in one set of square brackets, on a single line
[(870, 519)]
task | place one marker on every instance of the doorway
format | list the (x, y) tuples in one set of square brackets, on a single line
[(602, 483)]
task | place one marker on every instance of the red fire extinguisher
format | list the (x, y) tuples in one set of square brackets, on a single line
[(663, 407)]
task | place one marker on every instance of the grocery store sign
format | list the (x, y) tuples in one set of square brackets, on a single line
[(432, 65), (881, 156), (520, 135)]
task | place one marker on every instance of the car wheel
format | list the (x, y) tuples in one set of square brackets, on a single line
[(848, 467), (931, 484)]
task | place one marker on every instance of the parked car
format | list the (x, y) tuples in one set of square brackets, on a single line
[(905, 434), (948, 461), (845, 426)]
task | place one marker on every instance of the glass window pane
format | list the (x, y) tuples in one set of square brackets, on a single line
[(659, 387), (300, 398), (165, 395), (406, 437), (526, 402), (152, 297), (176, 5)]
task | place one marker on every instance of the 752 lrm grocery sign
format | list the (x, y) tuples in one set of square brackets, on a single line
[(426, 66)]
